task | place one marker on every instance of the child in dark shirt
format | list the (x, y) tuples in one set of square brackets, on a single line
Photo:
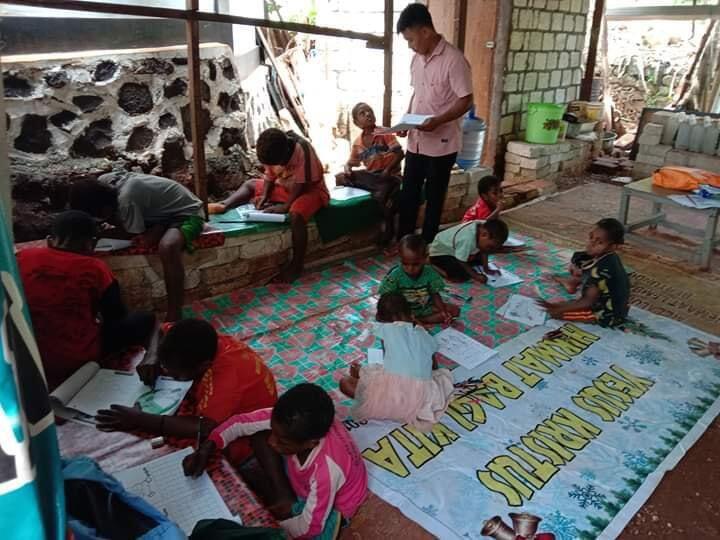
[(605, 284)]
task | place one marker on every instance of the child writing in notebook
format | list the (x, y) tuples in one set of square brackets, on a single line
[(419, 283), (293, 184), (605, 291), (229, 378), (407, 387), (489, 203), (456, 251), (306, 445), (381, 154)]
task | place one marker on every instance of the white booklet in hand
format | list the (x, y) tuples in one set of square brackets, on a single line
[(183, 499), (463, 349), (91, 388), (408, 121), (248, 212)]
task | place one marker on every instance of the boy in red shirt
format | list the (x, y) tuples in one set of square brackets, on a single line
[(381, 154), (489, 203), (293, 185), (74, 300), (230, 378)]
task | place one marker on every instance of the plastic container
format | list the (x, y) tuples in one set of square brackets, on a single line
[(670, 129), (697, 134), (543, 123), (594, 111), (608, 142), (712, 134), (473, 140), (578, 108), (682, 139)]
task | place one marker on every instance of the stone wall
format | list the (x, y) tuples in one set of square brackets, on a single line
[(74, 114), (545, 58)]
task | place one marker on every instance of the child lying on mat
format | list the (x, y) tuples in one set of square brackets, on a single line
[(489, 203), (408, 387), (455, 251), (299, 440), (230, 378), (419, 283), (605, 284)]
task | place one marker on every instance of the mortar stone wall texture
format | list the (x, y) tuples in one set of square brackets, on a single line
[(73, 114), (545, 58)]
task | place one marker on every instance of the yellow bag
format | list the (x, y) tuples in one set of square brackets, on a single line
[(684, 178)]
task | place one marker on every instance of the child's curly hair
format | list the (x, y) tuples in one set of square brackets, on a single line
[(393, 307)]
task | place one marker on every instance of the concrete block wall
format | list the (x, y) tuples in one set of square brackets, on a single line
[(653, 154), (545, 58), (531, 169)]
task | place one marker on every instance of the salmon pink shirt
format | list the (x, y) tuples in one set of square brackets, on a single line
[(438, 80)]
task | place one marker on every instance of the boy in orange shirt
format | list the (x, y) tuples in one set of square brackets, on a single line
[(230, 378), (293, 185), (381, 154)]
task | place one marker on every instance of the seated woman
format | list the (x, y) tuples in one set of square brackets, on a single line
[(74, 300)]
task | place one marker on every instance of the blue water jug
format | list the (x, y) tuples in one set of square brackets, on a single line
[(473, 129)]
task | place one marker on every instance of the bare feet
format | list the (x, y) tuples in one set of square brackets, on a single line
[(355, 370), (348, 386), (569, 283)]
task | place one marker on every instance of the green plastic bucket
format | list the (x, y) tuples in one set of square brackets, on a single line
[(543, 123)]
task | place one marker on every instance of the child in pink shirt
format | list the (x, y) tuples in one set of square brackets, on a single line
[(324, 467), (489, 204)]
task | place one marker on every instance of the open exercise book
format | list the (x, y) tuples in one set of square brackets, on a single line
[(463, 349), (91, 388), (248, 212), (182, 499)]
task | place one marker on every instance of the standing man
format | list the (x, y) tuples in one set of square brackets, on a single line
[(442, 88)]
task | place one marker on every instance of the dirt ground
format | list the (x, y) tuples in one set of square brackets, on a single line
[(685, 504)]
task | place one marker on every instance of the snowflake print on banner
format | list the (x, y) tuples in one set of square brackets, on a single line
[(542, 385), (589, 361), (683, 411), (646, 354), (637, 461), (633, 424), (587, 496), (587, 475), (430, 510), (561, 526)]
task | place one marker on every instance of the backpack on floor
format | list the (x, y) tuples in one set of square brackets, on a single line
[(98, 507), (684, 178)]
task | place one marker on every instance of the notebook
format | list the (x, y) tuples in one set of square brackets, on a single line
[(462, 349)]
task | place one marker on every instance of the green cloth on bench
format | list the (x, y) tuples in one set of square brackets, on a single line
[(339, 218)]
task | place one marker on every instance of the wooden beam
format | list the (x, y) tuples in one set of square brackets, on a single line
[(373, 40), (387, 62), (462, 24), (502, 44), (674, 13), (192, 30), (586, 85)]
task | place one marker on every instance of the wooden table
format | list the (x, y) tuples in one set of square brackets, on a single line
[(644, 189)]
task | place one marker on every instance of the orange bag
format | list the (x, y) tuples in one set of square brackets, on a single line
[(684, 178)]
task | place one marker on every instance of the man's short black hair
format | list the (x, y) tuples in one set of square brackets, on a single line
[(414, 16), (498, 230), (73, 226), (274, 147), (306, 411), (487, 183), (188, 343), (414, 243), (392, 307), (92, 195), (613, 229)]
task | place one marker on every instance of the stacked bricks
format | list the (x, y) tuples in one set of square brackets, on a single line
[(653, 154), (544, 62), (531, 169)]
